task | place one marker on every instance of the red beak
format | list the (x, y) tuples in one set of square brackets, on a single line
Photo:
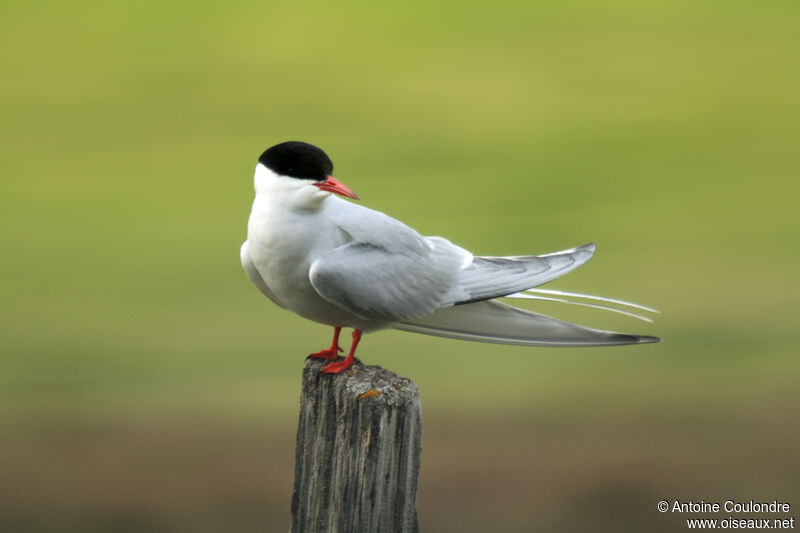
[(333, 185)]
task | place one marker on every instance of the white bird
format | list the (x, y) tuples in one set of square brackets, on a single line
[(341, 264)]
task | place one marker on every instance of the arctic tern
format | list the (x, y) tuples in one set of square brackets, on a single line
[(341, 264)]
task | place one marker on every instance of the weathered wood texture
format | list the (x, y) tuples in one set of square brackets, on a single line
[(359, 441)]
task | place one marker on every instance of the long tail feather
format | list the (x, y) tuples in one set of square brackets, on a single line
[(590, 297), (583, 304)]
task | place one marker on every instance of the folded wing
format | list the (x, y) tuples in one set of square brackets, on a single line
[(496, 322), (375, 283), (389, 273), (492, 277)]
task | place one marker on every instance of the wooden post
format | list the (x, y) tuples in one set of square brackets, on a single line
[(359, 441)]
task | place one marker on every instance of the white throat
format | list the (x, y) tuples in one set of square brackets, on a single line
[(292, 193)]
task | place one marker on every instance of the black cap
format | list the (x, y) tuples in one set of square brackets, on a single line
[(297, 160)]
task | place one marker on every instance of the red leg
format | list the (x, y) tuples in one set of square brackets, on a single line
[(340, 366), (331, 353)]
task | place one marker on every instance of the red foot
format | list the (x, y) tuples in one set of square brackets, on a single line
[(331, 353), (340, 366)]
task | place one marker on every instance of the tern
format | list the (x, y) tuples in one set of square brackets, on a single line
[(338, 263)]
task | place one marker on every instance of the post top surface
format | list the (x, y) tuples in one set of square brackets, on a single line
[(367, 382)]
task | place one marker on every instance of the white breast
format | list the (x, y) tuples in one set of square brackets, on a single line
[(284, 239)]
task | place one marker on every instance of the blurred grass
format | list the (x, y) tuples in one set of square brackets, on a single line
[(665, 132)]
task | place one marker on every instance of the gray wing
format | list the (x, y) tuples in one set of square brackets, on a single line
[(485, 320), (491, 277), (386, 270), (388, 282), (496, 322)]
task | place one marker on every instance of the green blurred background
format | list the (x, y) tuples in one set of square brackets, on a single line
[(145, 385)]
